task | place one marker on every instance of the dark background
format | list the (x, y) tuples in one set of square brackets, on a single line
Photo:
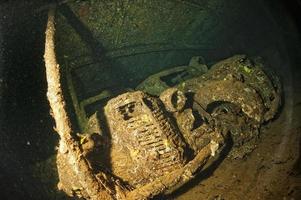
[(26, 128)]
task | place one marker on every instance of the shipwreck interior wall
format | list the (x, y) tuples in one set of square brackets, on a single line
[(137, 39), (123, 44)]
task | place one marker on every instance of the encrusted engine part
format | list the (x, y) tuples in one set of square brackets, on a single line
[(196, 137), (145, 143), (239, 81), (253, 73), (242, 83), (173, 99), (231, 90), (244, 130), (249, 76)]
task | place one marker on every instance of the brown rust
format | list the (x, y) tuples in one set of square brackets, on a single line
[(145, 143), (76, 173), (155, 144), (70, 160), (231, 91)]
